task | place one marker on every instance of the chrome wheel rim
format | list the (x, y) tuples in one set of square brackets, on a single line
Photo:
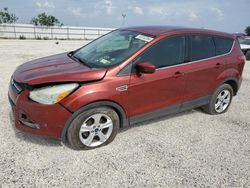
[(222, 101), (96, 130)]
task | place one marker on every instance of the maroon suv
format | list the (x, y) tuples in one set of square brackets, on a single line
[(127, 76)]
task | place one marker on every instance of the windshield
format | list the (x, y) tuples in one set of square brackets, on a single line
[(244, 41), (111, 49)]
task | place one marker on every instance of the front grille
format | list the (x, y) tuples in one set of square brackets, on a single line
[(18, 87), (11, 102)]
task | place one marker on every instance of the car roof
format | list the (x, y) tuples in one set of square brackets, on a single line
[(162, 29)]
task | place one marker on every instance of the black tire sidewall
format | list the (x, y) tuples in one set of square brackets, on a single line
[(215, 95), (248, 55), (75, 125)]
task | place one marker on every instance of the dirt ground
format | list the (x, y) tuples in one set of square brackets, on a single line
[(189, 149)]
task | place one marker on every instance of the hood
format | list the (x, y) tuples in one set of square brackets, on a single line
[(56, 68), (244, 46)]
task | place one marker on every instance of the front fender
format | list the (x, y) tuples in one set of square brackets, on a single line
[(105, 90)]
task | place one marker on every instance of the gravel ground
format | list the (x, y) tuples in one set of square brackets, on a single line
[(189, 149)]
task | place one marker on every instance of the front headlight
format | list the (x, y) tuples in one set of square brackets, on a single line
[(52, 94)]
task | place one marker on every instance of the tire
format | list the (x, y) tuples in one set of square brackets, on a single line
[(248, 55), (98, 124), (218, 100)]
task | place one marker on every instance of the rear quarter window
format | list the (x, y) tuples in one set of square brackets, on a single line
[(223, 45)]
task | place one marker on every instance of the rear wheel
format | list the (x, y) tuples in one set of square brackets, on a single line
[(93, 128), (220, 100)]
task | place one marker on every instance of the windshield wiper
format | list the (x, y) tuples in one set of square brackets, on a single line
[(71, 55)]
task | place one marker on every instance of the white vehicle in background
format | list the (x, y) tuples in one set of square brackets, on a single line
[(245, 46)]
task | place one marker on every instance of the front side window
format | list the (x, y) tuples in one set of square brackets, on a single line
[(223, 45), (111, 49), (168, 52), (202, 47)]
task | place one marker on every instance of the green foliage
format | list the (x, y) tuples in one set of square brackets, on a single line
[(22, 37), (38, 37), (247, 30), (45, 20), (6, 17)]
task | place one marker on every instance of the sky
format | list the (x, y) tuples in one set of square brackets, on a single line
[(222, 15)]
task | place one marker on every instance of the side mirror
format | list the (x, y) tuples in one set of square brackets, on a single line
[(145, 67)]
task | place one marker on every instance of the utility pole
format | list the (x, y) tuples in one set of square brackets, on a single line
[(123, 19)]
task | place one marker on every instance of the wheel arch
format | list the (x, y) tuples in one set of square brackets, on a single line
[(233, 83), (229, 76), (119, 110)]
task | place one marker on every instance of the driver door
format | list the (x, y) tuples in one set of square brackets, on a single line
[(159, 93)]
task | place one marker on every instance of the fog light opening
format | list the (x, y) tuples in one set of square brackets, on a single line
[(30, 124)]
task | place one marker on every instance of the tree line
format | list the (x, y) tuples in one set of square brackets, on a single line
[(41, 19)]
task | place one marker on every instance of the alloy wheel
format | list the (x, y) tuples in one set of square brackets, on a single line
[(222, 101), (96, 130)]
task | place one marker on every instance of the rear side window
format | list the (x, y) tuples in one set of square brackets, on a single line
[(223, 45), (202, 47), (167, 52)]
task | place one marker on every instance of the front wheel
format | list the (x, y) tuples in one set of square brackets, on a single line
[(93, 128), (220, 100)]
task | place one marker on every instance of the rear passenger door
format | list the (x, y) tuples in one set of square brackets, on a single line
[(202, 69)]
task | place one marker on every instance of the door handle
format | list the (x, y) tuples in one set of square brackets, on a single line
[(218, 65), (178, 74)]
